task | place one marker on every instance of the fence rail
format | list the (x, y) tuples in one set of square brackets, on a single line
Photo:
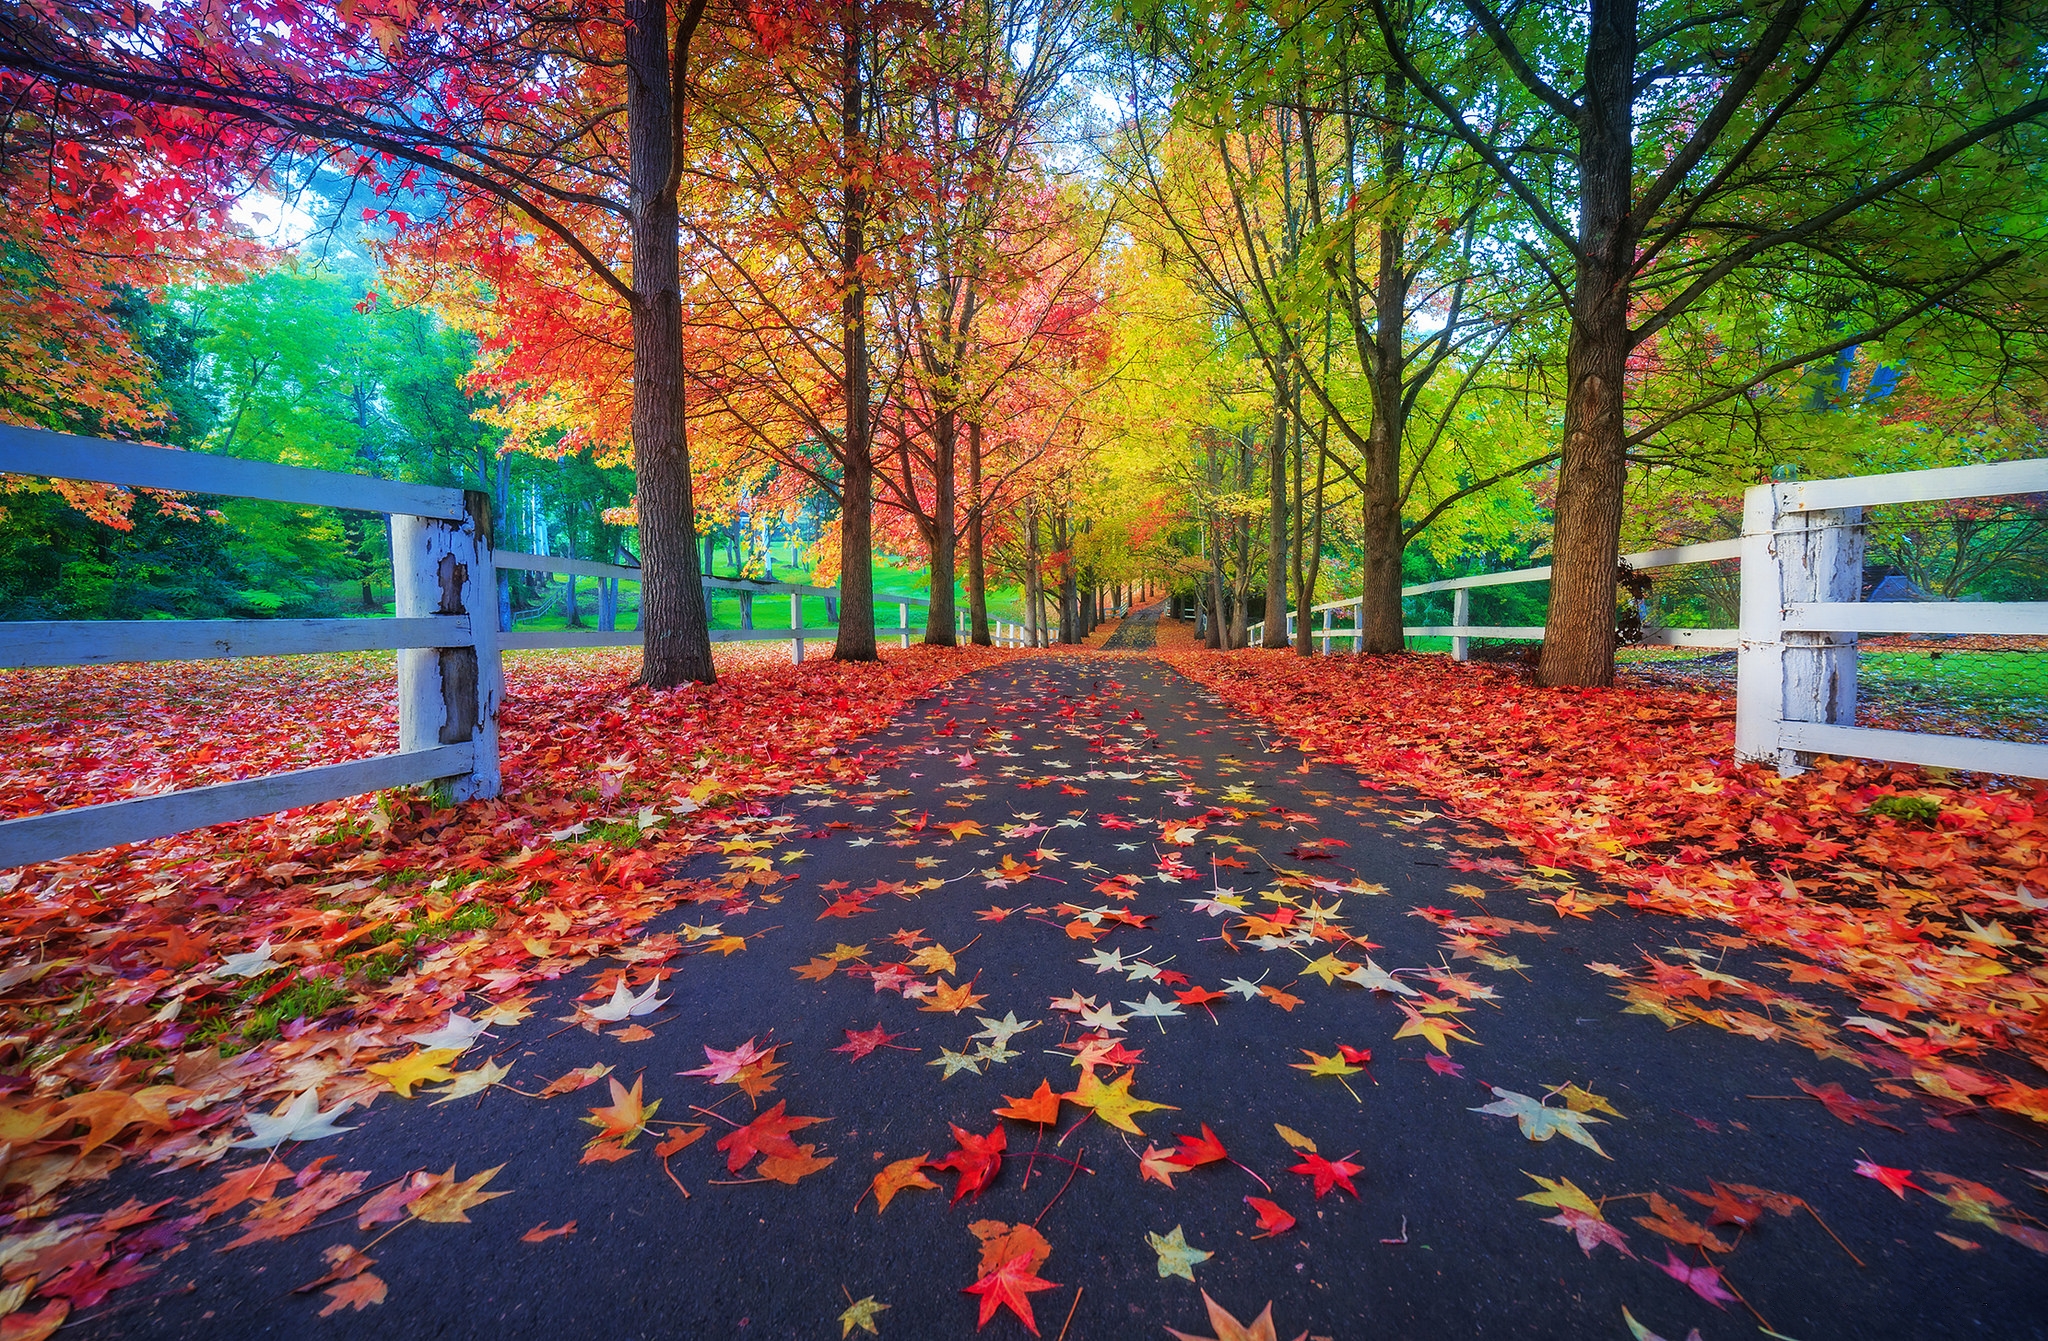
[(1801, 553), (1802, 576), (1461, 630), (446, 635), (1801, 556)]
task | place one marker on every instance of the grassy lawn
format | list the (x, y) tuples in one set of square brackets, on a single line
[(771, 609), (2000, 677)]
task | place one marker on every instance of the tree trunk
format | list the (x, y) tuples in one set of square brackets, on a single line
[(1034, 580), (1275, 633), (677, 637), (1380, 559), (1070, 605), (1578, 643), (857, 481), (977, 560), (939, 620)]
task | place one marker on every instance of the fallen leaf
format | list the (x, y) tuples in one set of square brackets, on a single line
[(1001, 1241), (861, 1315), (1113, 1103), (1666, 1219), (976, 1160), (1328, 1173), (1228, 1328), (1043, 1107), (540, 1233), (1539, 1123), (571, 1081), (426, 1066), (1272, 1219), (449, 1202), (357, 1293), (898, 1176), (1704, 1281), (1176, 1256), (1011, 1286)]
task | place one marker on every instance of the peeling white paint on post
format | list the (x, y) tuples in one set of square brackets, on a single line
[(449, 695), (1461, 617), (1759, 662), (1793, 675), (796, 628), (903, 621)]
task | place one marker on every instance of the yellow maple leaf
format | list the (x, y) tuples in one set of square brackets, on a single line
[(1113, 1103), (1295, 1138), (952, 1000), (1563, 1195), (424, 1066), (894, 1178), (625, 1117), (1329, 968), (448, 1202), (467, 1083), (510, 1012), (1434, 1030)]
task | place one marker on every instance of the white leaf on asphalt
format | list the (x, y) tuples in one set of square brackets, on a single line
[(624, 1003), (303, 1121)]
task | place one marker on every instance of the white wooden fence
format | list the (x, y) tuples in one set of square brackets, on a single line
[(1802, 574), (1801, 552), (445, 634)]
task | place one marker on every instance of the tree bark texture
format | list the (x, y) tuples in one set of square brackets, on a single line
[(944, 538), (856, 641), (1578, 644), (677, 636), (977, 552), (1275, 632)]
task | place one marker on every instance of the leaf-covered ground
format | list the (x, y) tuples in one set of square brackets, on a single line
[(1068, 994)]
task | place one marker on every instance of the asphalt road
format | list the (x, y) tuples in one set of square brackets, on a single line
[(1077, 771)]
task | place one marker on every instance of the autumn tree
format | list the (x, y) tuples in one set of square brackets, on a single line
[(546, 121), (1272, 165), (1860, 171)]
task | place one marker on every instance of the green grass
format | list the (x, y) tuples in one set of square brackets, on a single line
[(2000, 677), (771, 609)]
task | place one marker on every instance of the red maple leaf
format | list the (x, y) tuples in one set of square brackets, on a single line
[(1847, 1106), (1011, 1285), (976, 1161), (1329, 1173), (1194, 1153), (767, 1134), (860, 1042), (1272, 1218), (1898, 1180)]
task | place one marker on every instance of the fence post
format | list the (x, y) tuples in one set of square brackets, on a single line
[(746, 609), (1329, 617), (447, 695), (1358, 625), (1789, 675), (1461, 618), (796, 628), (903, 621)]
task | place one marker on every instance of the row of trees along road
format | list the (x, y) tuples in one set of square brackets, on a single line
[(830, 245), (559, 147), (1696, 202)]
